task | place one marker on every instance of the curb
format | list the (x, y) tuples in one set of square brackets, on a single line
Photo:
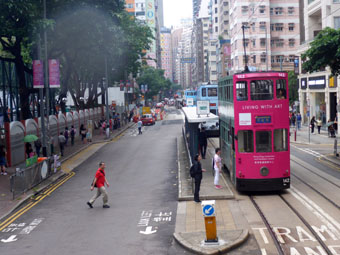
[(196, 245), (53, 178)]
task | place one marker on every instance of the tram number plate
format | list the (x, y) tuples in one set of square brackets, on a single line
[(286, 181)]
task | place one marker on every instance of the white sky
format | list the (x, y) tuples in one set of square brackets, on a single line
[(174, 10)]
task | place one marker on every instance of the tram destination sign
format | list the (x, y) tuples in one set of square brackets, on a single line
[(263, 119), (203, 108)]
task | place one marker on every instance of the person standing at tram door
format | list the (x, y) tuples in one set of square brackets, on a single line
[(197, 175), (202, 138), (217, 167), (312, 124)]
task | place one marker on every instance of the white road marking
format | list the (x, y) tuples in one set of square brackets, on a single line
[(9, 239), (324, 217), (309, 151), (148, 231)]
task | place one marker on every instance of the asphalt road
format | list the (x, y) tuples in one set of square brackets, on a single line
[(142, 172)]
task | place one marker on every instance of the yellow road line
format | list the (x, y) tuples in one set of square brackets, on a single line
[(332, 165), (16, 215)]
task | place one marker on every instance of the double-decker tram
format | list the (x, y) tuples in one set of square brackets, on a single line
[(254, 130), (190, 97), (208, 92)]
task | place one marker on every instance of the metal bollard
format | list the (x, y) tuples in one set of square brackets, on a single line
[(295, 135)]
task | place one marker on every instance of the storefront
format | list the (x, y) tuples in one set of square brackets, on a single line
[(318, 96)]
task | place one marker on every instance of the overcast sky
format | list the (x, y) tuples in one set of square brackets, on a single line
[(174, 10)]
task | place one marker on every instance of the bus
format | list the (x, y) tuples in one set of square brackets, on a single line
[(208, 92), (254, 130), (190, 97)]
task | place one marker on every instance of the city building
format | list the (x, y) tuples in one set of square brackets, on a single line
[(166, 52), (319, 93), (271, 29), (176, 37)]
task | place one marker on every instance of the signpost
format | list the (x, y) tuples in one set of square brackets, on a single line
[(203, 108), (208, 208)]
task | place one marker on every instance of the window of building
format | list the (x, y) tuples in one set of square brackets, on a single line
[(241, 91), (337, 22), (215, 1), (261, 90), (279, 27), (216, 19), (244, 10), (278, 11), (263, 141), (290, 10), (246, 42), (225, 3), (263, 42), (205, 25), (291, 58), (291, 42), (279, 59), (254, 59), (262, 25), (226, 22), (253, 27), (216, 29), (245, 140), (271, 11), (213, 53), (272, 27), (253, 42), (281, 90), (281, 139), (280, 43), (272, 59), (216, 11), (336, 1), (263, 58), (291, 26), (262, 9)]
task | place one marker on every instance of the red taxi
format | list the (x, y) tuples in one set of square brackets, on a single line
[(147, 119)]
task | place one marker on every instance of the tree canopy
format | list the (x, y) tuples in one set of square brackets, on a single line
[(324, 51), (82, 34)]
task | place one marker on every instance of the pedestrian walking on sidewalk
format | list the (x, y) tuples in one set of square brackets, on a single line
[(319, 124), (202, 138), (37, 145), (312, 124), (82, 132), (99, 182), (72, 134), (66, 134), (139, 125), (3, 160), (217, 167), (61, 139), (298, 120), (197, 167)]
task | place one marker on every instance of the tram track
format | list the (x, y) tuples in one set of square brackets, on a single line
[(279, 247), (313, 188)]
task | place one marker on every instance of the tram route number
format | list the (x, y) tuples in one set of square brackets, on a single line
[(300, 235)]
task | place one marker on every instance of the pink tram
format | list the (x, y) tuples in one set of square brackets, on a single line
[(254, 130)]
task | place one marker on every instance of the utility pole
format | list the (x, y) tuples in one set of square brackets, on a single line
[(47, 87), (107, 101), (245, 53)]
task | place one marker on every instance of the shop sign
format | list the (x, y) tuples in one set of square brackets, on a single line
[(303, 83), (333, 81), (296, 65), (318, 82)]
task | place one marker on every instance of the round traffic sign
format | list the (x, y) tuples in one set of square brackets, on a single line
[(208, 210)]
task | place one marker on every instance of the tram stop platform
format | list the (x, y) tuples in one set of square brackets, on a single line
[(190, 227)]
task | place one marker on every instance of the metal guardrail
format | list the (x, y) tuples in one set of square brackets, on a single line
[(27, 178), (188, 154)]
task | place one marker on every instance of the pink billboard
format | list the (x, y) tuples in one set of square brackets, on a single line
[(53, 69), (38, 74)]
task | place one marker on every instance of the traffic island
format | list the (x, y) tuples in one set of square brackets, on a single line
[(228, 240)]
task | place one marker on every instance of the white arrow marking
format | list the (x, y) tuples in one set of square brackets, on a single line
[(207, 211), (148, 231), (10, 239)]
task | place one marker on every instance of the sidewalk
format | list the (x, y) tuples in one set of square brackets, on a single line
[(190, 228), (303, 137), (8, 205)]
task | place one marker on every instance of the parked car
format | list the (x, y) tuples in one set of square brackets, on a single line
[(147, 119), (159, 105)]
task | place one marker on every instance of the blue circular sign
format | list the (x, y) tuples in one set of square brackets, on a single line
[(208, 210)]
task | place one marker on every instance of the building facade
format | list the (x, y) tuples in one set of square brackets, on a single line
[(271, 31), (319, 93), (166, 52)]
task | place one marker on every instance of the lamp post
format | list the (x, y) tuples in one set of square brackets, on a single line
[(107, 101)]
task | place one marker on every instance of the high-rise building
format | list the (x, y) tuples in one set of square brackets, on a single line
[(271, 34), (166, 52), (319, 92), (176, 36)]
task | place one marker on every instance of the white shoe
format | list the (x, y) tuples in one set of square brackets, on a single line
[(4, 173)]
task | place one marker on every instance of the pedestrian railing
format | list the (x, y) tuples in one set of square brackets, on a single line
[(26, 178), (188, 155)]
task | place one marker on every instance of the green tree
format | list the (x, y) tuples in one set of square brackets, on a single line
[(293, 87), (324, 51)]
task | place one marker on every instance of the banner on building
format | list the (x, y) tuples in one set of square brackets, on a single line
[(318, 82), (38, 74), (53, 73), (151, 21)]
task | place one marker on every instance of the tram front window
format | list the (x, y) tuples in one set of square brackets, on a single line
[(212, 92), (263, 141), (261, 90), (280, 140), (241, 91), (245, 141)]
